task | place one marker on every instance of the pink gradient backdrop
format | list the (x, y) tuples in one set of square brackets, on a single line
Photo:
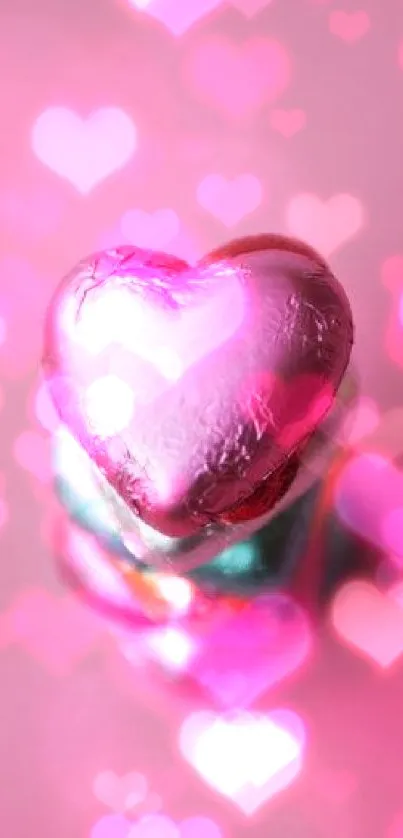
[(189, 122)]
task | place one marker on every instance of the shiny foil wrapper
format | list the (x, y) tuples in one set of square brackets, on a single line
[(196, 393)]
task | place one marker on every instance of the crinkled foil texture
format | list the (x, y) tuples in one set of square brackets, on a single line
[(223, 425)]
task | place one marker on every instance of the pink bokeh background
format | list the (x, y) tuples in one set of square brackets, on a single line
[(178, 124)]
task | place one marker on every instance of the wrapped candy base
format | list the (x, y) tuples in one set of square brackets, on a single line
[(196, 405), (268, 560), (233, 628), (264, 561), (229, 653)]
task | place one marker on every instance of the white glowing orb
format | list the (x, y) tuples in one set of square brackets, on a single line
[(105, 319), (108, 405), (173, 647), (241, 757), (172, 344), (168, 363), (178, 592), (119, 317)]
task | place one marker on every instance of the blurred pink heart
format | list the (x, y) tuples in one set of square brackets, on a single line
[(245, 757), (155, 826), (199, 827), (58, 632), (120, 793), (251, 651), (288, 122), (238, 78), (177, 15), (161, 826), (230, 200), (369, 620), (250, 7), (181, 244), (349, 26), (326, 225), (368, 498), (84, 151), (152, 230), (111, 826)]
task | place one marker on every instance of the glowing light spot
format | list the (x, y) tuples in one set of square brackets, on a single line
[(173, 647), (168, 363), (106, 319), (178, 592), (172, 344), (118, 317), (109, 405), (246, 757)]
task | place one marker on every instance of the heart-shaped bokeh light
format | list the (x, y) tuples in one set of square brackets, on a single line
[(193, 390)]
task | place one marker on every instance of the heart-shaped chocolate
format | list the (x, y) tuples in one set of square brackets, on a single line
[(193, 389)]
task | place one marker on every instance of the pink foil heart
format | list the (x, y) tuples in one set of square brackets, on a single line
[(190, 387)]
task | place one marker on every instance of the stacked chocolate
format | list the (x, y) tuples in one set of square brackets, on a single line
[(198, 409)]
